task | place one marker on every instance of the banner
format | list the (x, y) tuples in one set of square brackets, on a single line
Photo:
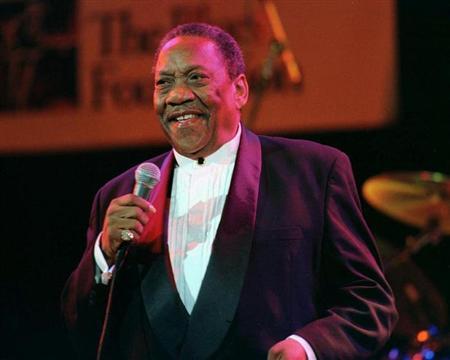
[(99, 65)]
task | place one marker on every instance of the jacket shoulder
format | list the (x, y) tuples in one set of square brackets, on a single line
[(300, 150)]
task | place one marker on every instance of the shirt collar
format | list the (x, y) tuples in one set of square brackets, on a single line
[(224, 155)]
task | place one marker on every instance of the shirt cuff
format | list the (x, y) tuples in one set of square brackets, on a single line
[(308, 349), (103, 272)]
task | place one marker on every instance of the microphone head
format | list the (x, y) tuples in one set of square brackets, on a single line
[(147, 174)]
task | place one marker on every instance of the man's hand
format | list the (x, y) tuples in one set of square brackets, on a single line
[(127, 212), (288, 349)]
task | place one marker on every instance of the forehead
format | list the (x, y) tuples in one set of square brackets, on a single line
[(188, 51)]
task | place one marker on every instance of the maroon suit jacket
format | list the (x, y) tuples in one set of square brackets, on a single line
[(292, 255)]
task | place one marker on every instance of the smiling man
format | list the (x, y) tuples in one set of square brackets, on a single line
[(197, 100), (251, 247)]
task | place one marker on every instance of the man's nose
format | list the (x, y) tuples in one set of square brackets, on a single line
[(179, 94)]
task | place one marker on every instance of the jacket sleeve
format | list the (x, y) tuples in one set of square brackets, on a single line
[(357, 311), (83, 301)]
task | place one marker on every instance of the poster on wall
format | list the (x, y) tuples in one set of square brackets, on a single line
[(77, 75)]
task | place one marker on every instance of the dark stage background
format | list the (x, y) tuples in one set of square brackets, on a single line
[(45, 199)]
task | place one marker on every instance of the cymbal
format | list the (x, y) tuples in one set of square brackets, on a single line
[(420, 199)]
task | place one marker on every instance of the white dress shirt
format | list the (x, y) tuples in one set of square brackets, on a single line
[(196, 205), (197, 200)]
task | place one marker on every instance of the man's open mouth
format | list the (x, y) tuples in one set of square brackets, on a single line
[(184, 116)]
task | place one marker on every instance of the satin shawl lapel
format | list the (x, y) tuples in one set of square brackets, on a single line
[(167, 316), (221, 287)]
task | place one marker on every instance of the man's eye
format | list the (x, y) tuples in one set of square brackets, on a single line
[(197, 76), (162, 82)]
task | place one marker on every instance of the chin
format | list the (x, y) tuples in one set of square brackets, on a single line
[(188, 151), (192, 149)]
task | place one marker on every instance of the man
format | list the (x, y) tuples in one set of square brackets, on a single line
[(252, 247)]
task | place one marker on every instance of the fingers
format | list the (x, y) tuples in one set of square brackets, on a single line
[(272, 355), (127, 212), (125, 202), (133, 200), (134, 225), (288, 349)]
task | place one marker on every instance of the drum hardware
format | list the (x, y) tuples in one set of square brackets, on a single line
[(420, 199), (413, 244)]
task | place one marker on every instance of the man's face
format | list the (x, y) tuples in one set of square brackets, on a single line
[(197, 103)]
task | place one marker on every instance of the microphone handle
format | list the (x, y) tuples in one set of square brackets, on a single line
[(142, 190), (121, 254)]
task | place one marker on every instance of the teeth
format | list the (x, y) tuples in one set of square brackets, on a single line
[(185, 117)]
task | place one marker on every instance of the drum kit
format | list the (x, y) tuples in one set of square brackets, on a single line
[(420, 200)]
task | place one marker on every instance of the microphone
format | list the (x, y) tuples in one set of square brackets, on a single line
[(147, 175)]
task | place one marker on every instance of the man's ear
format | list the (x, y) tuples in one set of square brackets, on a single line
[(241, 91)]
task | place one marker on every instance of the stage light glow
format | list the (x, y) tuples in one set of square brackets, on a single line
[(393, 354), (422, 336), (428, 354)]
